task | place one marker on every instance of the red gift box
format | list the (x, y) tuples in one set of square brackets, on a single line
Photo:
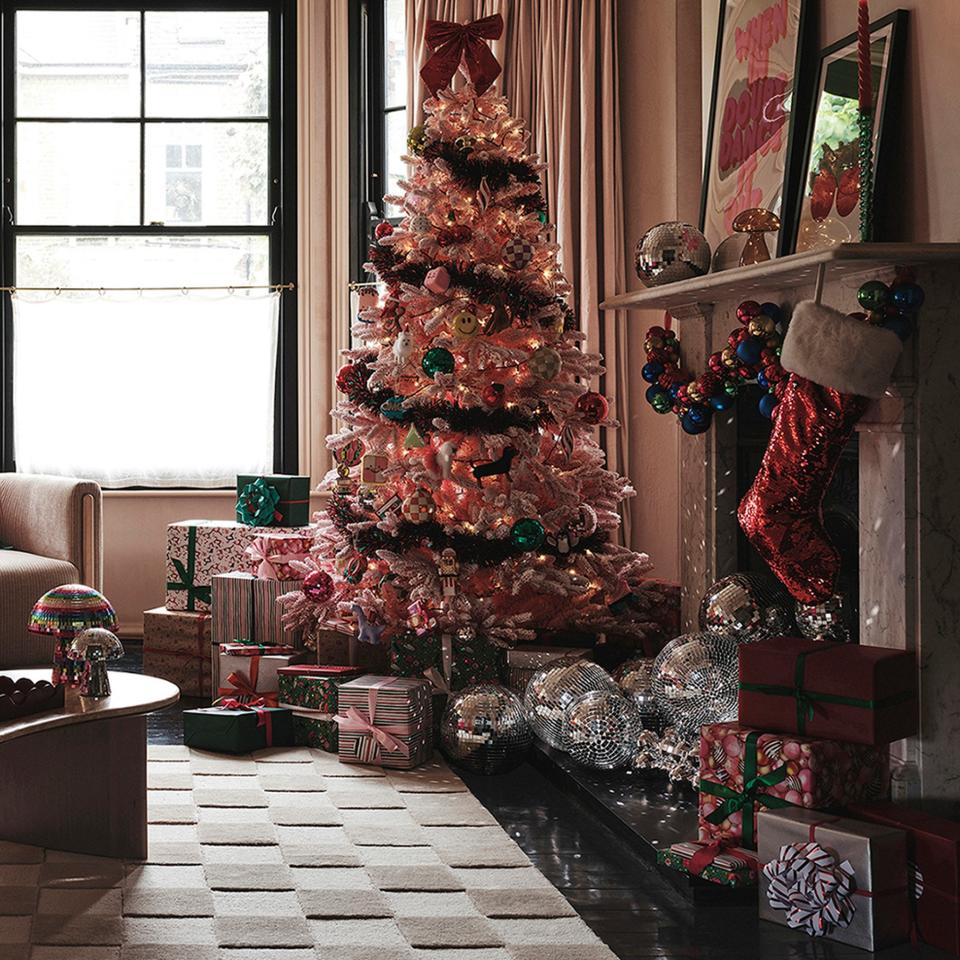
[(839, 691), (933, 849), (743, 771)]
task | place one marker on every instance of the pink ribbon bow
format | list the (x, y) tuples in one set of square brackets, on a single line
[(356, 722), (260, 551), (453, 42)]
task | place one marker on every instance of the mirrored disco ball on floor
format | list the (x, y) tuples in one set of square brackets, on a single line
[(747, 605), (484, 729), (552, 689), (601, 729), (635, 679), (695, 680)]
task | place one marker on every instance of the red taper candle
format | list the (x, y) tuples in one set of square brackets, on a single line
[(865, 68)]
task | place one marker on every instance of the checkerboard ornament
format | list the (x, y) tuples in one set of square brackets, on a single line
[(418, 507), (517, 253)]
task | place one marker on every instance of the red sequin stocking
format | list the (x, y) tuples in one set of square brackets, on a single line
[(782, 513)]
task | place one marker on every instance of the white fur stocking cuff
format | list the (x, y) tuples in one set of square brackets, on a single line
[(834, 350)]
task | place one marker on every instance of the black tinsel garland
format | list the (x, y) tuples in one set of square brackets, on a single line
[(470, 548), (485, 288)]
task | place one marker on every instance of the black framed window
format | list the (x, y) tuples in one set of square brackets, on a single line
[(380, 121), (152, 146)]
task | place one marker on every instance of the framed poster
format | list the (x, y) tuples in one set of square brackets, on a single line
[(747, 160), (827, 203)]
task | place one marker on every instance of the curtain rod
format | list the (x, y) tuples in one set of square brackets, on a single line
[(232, 286)]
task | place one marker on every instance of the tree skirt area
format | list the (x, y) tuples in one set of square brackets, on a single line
[(287, 855)]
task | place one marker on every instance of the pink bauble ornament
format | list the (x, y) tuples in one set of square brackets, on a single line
[(437, 280), (318, 586), (593, 407)]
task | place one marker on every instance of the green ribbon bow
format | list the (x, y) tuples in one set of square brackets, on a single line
[(750, 797), (808, 699), (257, 504), (187, 572)]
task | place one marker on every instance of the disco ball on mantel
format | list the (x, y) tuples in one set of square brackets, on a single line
[(671, 251)]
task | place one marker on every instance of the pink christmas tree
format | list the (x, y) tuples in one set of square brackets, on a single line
[(470, 495)]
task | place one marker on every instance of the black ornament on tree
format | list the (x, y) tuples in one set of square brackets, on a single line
[(495, 467)]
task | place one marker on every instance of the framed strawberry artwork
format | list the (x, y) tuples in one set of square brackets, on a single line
[(827, 207)]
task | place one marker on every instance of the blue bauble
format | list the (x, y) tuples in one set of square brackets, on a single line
[(907, 297), (651, 371), (762, 382), (749, 350), (654, 390), (772, 310), (393, 408), (767, 404), (696, 420), (722, 401), (901, 325)]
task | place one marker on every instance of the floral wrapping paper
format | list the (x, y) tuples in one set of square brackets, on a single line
[(314, 687), (268, 555), (176, 647), (743, 771), (199, 549), (727, 866), (449, 662)]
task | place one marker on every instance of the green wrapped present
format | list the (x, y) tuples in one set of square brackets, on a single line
[(237, 728), (450, 661), (727, 866), (319, 732), (313, 686), (275, 501)]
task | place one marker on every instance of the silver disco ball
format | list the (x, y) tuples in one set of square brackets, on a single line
[(484, 729), (601, 730), (635, 679), (749, 606), (671, 251), (695, 680), (552, 689), (823, 621)]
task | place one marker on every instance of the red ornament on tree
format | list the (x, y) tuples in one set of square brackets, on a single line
[(318, 586), (383, 229), (493, 394), (593, 407)]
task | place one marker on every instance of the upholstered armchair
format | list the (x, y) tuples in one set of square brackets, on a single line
[(50, 533)]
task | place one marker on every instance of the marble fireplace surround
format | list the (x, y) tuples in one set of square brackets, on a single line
[(909, 464)]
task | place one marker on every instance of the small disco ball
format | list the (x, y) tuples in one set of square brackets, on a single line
[(671, 251), (552, 689), (635, 678), (746, 605), (484, 729), (601, 730), (823, 621), (695, 681)]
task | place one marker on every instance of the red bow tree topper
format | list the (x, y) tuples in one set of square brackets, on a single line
[(453, 42)]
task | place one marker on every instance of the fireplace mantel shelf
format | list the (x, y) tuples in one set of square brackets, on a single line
[(796, 270)]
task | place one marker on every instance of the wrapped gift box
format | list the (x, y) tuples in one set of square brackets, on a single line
[(315, 730), (176, 647), (334, 646), (199, 549), (933, 857), (520, 663), (448, 661), (314, 686), (237, 730), (245, 609), (243, 674), (728, 866), (834, 877), (743, 770), (833, 690), (269, 554), (385, 721), (290, 509)]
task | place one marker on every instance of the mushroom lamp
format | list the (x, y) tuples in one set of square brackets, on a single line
[(755, 223), (95, 646)]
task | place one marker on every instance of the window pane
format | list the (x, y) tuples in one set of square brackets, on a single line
[(396, 148), (172, 261), (226, 185), (207, 64), (78, 173), (395, 54), (78, 64)]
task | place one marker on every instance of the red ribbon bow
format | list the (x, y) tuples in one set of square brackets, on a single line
[(264, 718), (453, 42)]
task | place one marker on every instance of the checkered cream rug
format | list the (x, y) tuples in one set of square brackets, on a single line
[(289, 855)]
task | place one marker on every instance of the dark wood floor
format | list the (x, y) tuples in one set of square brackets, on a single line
[(618, 893)]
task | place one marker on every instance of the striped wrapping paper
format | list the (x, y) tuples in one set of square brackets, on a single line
[(403, 708)]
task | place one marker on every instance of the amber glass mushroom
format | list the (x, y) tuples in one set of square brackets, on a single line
[(755, 223)]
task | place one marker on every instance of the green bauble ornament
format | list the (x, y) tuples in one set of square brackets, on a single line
[(873, 295), (542, 216), (417, 139), (527, 534), (662, 403), (731, 387), (437, 360)]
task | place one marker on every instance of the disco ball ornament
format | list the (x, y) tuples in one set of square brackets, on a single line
[(318, 586), (437, 360), (552, 689), (635, 679), (545, 363), (671, 251), (746, 605), (527, 534), (823, 621), (484, 729), (601, 730), (695, 680)]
